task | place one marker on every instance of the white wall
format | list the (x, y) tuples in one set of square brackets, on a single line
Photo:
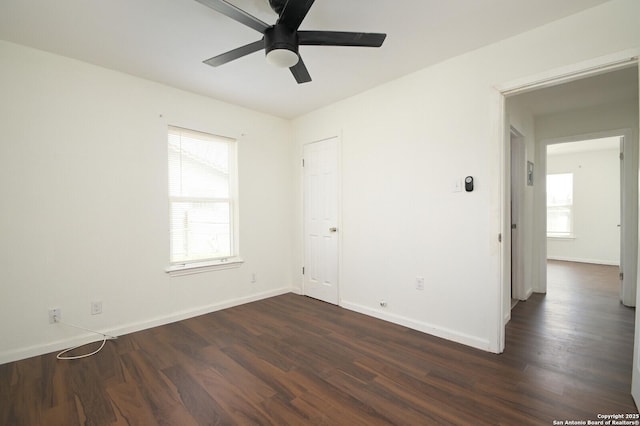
[(403, 145), (83, 183), (596, 207)]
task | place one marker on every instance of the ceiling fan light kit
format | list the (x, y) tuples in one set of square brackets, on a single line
[(281, 46), (281, 40), (282, 58)]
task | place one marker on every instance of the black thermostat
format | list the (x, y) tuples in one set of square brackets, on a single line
[(468, 183)]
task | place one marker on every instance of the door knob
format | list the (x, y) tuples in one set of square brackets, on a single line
[(333, 229)]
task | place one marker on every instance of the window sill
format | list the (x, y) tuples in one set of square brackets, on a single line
[(207, 266), (561, 237)]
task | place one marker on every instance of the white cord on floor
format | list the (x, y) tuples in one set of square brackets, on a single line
[(105, 337)]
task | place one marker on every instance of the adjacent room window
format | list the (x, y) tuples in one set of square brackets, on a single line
[(560, 205), (202, 197)]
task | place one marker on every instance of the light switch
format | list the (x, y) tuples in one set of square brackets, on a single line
[(457, 185)]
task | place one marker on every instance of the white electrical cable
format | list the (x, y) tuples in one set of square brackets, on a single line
[(63, 357), (105, 337)]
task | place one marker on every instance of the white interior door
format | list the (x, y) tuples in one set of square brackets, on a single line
[(517, 191), (321, 220)]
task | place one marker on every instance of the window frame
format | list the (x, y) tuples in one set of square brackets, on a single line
[(561, 235), (185, 267)]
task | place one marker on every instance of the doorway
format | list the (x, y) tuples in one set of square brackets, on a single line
[(621, 212), (592, 101), (584, 189), (591, 107)]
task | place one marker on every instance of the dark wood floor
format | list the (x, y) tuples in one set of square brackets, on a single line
[(294, 360)]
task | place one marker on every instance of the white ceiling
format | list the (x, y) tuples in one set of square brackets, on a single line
[(167, 40), (613, 86), (601, 89), (602, 144)]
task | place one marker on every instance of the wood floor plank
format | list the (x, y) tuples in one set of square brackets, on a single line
[(61, 414), (230, 398), (386, 405), (130, 406), (291, 360), (270, 374), (24, 403), (7, 384), (340, 407), (156, 391), (255, 389), (282, 412), (195, 399), (92, 399)]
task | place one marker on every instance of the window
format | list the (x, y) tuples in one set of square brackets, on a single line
[(560, 205), (202, 199)]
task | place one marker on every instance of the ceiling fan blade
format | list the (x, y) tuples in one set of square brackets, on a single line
[(340, 38), (294, 12), (235, 53), (300, 72), (236, 14)]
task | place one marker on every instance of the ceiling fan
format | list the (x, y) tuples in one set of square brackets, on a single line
[(281, 40)]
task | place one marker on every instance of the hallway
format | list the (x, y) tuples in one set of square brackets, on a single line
[(576, 341)]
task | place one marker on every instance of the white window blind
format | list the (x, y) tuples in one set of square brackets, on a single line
[(560, 205), (201, 196)]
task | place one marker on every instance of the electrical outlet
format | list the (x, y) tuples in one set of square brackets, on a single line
[(54, 315), (96, 308), (419, 283)]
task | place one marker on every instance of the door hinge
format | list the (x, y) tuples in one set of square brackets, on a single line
[(621, 276), (303, 270), (621, 156), (303, 162), (499, 238)]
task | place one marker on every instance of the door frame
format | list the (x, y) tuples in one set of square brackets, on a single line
[(338, 138), (549, 78), (627, 253)]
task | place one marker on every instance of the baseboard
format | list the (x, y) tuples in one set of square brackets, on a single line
[(58, 345), (529, 293), (507, 317), (581, 260), (424, 327)]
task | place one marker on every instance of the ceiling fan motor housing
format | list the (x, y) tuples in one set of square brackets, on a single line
[(280, 37)]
